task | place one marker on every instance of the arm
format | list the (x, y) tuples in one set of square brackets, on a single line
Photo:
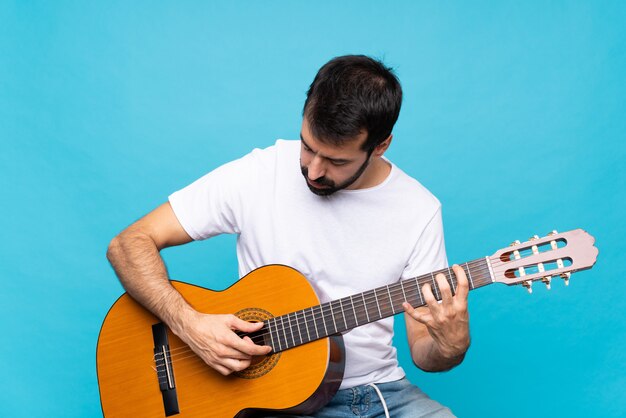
[(134, 255), (438, 333)]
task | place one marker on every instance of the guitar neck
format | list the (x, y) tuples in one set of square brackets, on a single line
[(300, 327)]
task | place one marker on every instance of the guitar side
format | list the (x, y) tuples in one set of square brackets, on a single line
[(298, 380)]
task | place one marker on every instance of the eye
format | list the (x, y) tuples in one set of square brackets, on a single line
[(338, 163)]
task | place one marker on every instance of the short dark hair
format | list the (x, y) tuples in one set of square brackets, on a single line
[(350, 94)]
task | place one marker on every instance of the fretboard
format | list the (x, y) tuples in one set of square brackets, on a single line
[(300, 327)]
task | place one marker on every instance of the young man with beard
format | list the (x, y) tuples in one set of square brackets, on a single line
[(332, 207)]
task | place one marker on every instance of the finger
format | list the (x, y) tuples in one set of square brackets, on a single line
[(247, 346), (267, 347), (225, 351), (423, 317), (241, 325), (444, 288), (235, 365), (463, 285), (429, 298), (408, 308), (221, 369)]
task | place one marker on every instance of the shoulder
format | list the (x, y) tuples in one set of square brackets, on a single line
[(413, 193), (282, 151), (260, 159)]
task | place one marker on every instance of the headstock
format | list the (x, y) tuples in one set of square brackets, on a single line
[(555, 255)]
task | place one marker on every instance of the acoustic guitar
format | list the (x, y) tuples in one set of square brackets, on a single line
[(144, 370)]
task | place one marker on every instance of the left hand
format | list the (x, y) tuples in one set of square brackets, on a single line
[(447, 321)]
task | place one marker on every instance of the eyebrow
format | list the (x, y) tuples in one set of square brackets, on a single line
[(335, 160)]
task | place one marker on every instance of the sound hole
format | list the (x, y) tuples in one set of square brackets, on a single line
[(260, 365)]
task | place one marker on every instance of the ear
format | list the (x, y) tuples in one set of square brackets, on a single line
[(382, 147)]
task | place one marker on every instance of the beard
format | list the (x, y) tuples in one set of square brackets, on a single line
[(330, 186)]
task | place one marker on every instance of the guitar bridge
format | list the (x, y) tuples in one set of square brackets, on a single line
[(164, 369)]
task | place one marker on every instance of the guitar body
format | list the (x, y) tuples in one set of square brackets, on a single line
[(298, 380)]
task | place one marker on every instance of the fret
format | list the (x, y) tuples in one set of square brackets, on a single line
[(469, 273), (308, 335), (402, 287), (317, 334), (393, 311), (397, 290), (291, 330), (283, 334), (349, 318), (365, 306), (491, 276), (341, 317), (380, 315), (451, 280), (332, 315), (359, 306), (282, 327), (356, 318), (410, 289), (435, 288), (298, 325), (285, 327), (419, 293), (324, 320), (269, 327)]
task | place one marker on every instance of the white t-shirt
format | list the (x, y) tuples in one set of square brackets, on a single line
[(346, 243)]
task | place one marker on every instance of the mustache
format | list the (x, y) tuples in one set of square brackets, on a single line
[(321, 180)]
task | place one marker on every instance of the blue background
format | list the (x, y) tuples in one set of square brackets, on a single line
[(514, 116)]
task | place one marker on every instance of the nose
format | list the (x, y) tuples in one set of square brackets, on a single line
[(316, 168)]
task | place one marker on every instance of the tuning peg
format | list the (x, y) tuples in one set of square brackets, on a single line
[(554, 232), (547, 281), (534, 237), (566, 276), (528, 284), (515, 243)]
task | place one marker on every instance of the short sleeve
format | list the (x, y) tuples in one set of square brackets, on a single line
[(215, 203), (429, 253)]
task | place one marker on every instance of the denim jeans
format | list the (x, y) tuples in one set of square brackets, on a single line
[(403, 400)]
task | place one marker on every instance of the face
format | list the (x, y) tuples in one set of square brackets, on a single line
[(329, 168)]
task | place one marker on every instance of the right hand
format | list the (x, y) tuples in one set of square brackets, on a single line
[(213, 339)]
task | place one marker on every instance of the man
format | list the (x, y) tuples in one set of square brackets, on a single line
[(353, 223)]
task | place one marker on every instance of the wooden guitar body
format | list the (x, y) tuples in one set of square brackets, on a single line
[(299, 380)]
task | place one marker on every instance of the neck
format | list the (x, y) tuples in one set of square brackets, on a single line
[(376, 172), (343, 314)]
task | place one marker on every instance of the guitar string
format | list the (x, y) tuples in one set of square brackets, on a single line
[(162, 373), (371, 295), (258, 338), (408, 284), (330, 306), (411, 286), (327, 311)]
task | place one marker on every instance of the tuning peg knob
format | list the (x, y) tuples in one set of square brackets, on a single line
[(547, 281), (528, 284), (514, 243), (565, 277), (534, 237), (554, 232)]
